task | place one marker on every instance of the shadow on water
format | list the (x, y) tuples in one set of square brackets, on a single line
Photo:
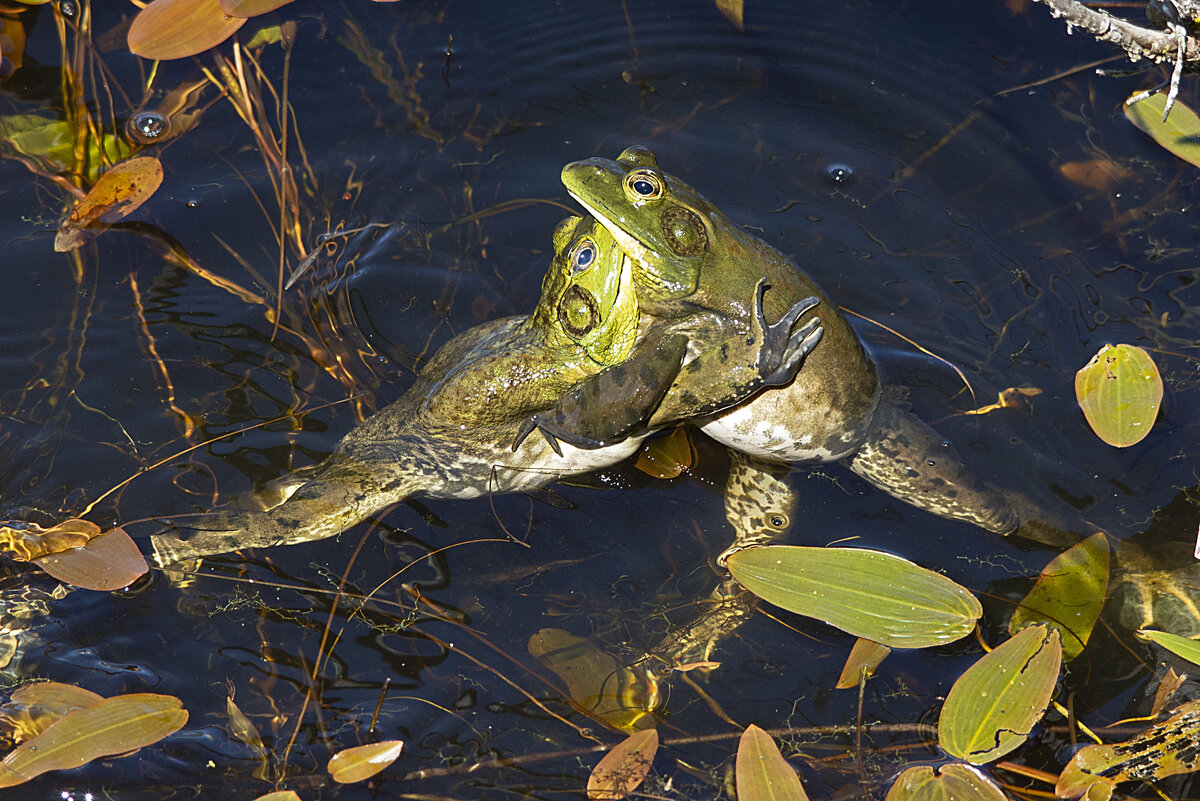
[(867, 140)]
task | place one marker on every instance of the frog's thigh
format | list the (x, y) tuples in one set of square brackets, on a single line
[(759, 504)]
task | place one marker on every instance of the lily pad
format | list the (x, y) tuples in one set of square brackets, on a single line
[(992, 707), (364, 761), (624, 767), (1069, 594), (870, 594), (954, 782), (762, 773), (1120, 391), (1180, 134)]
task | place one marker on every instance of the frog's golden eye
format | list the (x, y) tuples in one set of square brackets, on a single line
[(644, 185), (578, 312), (583, 255)]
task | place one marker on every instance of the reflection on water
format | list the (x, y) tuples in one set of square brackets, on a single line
[(866, 140)]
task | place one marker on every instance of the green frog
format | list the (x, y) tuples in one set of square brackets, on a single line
[(461, 431), (693, 268)]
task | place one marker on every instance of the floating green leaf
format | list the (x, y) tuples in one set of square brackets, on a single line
[(994, 704), (281, 795), (954, 782), (869, 594), (1069, 594), (1162, 750), (116, 725), (364, 761), (762, 773), (1180, 646), (624, 767), (1180, 134), (1119, 391)]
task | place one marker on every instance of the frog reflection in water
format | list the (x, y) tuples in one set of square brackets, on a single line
[(461, 431), (694, 267)]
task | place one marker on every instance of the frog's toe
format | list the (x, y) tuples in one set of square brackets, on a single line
[(799, 346), (1162, 599)]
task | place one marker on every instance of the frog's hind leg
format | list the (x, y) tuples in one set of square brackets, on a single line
[(907, 459), (759, 505)]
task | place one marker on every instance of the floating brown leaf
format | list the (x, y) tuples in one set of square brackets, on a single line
[(168, 29), (1098, 174), (732, 9), (107, 562), (624, 767), (117, 194), (761, 772), (363, 761), (117, 725)]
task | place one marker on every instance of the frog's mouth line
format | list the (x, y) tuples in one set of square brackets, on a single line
[(632, 247)]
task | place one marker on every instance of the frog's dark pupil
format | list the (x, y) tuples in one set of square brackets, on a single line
[(584, 257), (643, 187)]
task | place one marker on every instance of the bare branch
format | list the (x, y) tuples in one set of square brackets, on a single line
[(1136, 41)]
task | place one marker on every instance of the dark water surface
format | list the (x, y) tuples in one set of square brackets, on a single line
[(880, 144)]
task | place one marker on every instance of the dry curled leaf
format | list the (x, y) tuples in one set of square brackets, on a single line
[(107, 562)]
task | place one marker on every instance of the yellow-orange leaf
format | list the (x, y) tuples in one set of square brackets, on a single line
[(32, 708), (667, 457), (117, 725), (107, 562), (761, 772), (624, 767), (363, 761), (31, 540), (180, 28), (864, 657), (115, 195)]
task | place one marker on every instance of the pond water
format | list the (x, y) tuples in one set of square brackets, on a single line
[(909, 155)]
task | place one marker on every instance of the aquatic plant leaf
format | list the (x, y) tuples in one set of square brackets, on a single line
[(1098, 174), (364, 761), (33, 707), (993, 705), (595, 680), (624, 767), (251, 8), (168, 29), (27, 541), (50, 142), (1180, 134), (279, 795), (865, 656), (732, 11), (117, 194), (1069, 594), (869, 594), (117, 725), (242, 729), (667, 457), (107, 562), (1164, 749), (1180, 646), (1119, 391), (761, 772), (953, 782)]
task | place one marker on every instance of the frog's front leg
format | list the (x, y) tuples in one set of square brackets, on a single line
[(615, 403), (732, 372)]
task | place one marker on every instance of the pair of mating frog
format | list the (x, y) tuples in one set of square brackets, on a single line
[(654, 312)]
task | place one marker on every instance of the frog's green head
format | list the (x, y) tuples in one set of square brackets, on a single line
[(588, 293), (666, 226)]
